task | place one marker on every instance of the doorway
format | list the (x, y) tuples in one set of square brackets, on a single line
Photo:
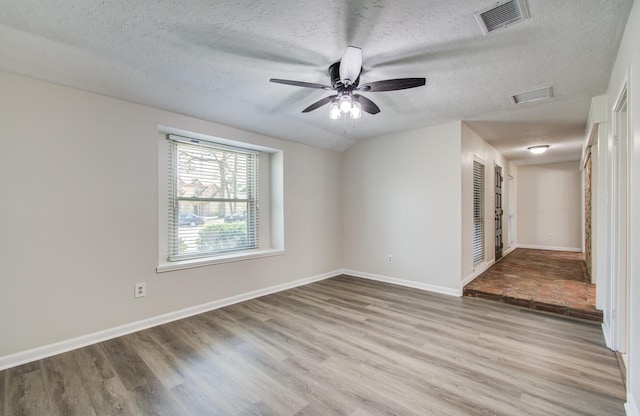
[(499, 211), (620, 225)]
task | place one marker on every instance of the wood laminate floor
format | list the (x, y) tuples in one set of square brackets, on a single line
[(343, 346)]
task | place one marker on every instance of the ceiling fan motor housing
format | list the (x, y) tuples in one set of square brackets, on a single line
[(336, 83)]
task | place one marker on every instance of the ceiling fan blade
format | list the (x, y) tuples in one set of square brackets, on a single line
[(367, 105), (318, 104), (350, 65), (301, 84), (392, 84)]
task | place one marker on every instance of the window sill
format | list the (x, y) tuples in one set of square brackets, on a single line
[(226, 258)]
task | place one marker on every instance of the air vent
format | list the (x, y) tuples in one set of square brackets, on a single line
[(502, 15), (533, 95)]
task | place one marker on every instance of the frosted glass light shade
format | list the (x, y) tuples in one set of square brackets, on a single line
[(345, 103), (356, 110), (334, 111), (536, 150)]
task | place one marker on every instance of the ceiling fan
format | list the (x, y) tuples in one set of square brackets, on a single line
[(345, 81)]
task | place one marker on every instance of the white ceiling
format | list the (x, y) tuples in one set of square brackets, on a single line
[(213, 60)]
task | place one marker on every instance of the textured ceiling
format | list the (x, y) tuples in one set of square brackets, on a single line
[(213, 60)]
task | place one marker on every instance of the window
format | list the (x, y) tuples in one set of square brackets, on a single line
[(213, 198), (478, 212)]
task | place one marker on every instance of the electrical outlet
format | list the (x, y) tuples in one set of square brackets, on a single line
[(140, 290), (390, 258)]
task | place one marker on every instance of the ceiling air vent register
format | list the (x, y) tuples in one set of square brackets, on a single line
[(533, 95), (501, 16)]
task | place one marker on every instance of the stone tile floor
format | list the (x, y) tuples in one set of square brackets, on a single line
[(550, 281)]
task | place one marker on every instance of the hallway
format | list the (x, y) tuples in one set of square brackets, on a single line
[(550, 281)]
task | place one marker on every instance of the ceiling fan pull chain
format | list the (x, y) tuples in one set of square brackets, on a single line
[(345, 125)]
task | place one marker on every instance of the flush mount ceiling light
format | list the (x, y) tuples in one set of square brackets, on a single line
[(536, 150)]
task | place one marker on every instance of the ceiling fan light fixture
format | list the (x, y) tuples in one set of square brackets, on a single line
[(356, 110), (536, 150), (334, 110), (345, 103)]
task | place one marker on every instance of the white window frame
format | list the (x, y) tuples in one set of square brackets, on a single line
[(270, 178), (248, 170)]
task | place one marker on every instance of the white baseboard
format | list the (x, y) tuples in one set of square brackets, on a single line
[(45, 351), (407, 283), (631, 406), (606, 332), (483, 268), (552, 248)]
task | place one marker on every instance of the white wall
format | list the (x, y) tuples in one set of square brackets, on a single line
[(600, 218), (402, 197), (79, 216), (627, 68), (549, 206), (513, 206), (474, 145)]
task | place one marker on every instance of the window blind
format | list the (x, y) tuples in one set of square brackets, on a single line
[(478, 212), (213, 198)]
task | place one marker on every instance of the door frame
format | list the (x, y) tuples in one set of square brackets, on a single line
[(620, 191), (498, 204)]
